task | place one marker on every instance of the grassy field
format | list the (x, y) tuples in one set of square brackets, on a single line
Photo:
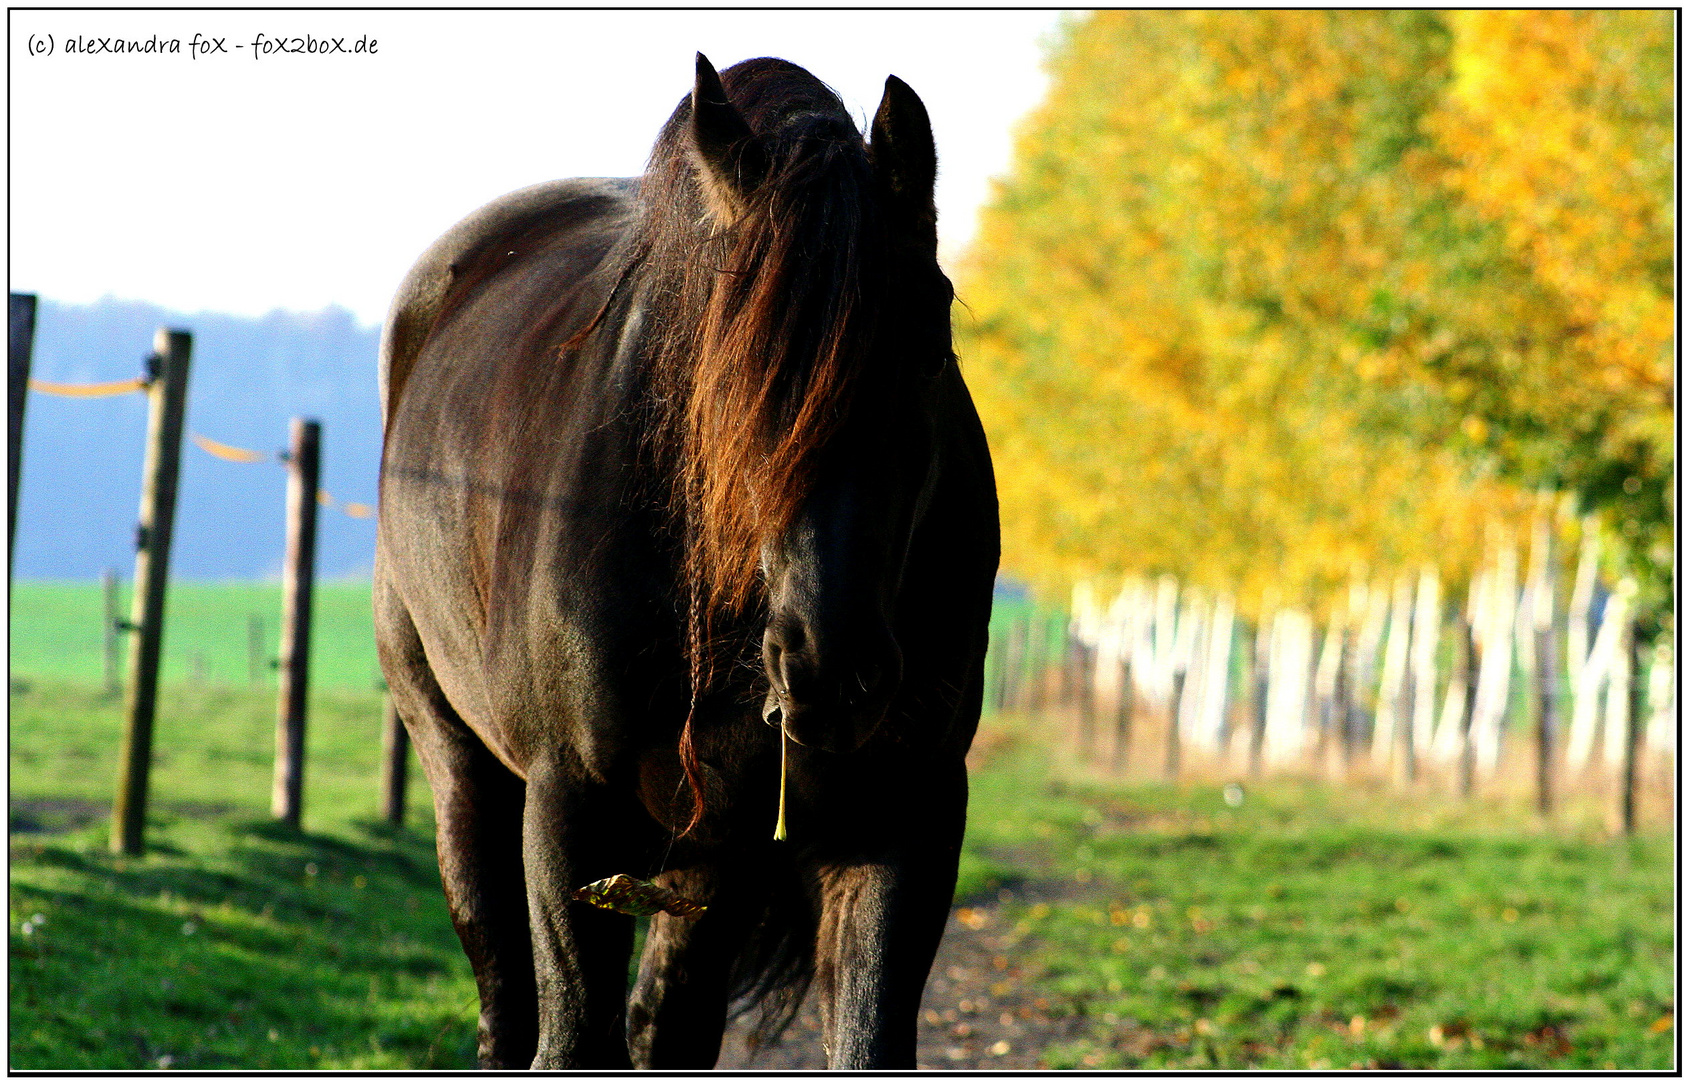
[(1306, 927), (57, 635), (57, 632), (231, 943), (1320, 927)]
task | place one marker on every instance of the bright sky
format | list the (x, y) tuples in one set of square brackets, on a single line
[(241, 184)]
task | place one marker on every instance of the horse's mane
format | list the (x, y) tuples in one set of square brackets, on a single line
[(762, 306), (763, 312)]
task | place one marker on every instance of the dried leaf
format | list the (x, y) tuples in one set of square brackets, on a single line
[(632, 896)]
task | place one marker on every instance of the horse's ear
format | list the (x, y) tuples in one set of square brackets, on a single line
[(903, 150), (728, 157)]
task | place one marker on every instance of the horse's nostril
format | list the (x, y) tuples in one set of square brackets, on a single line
[(800, 679)]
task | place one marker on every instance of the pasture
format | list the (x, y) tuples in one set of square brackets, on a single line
[(1104, 924), (55, 632)]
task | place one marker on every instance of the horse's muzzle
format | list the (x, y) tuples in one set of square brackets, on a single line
[(831, 709), (832, 729), (831, 715)]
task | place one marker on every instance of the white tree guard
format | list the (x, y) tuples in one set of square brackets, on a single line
[(1578, 609), (1189, 654), (1391, 672), (1593, 687), (1159, 672), (1332, 653), (1289, 683), (1376, 606), (1491, 699), (1661, 734), (1424, 657), (1212, 721), (1447, 735)]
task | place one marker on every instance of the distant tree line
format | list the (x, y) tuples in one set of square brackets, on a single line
[(1286, 302)]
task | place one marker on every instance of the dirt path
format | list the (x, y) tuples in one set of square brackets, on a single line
[(982, 1006)]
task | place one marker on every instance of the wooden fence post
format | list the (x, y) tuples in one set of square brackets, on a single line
[(303, 476), (1125, 713), (999, 648), (20, 350), (1259, 695), (1017, 664), (1172, 733), (168, 392), (1344, 715), (1082, 688), (996, 684), (1634, 733), (1034, 667), (1003, 698), (1405, 726), (394, 766), (113, 626), (257, 664)]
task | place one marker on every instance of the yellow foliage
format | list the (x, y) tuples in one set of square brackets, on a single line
[(1256, 307), (1560, 126)]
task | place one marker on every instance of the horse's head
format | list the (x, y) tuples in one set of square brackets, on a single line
[(824, 348), (864, 331)]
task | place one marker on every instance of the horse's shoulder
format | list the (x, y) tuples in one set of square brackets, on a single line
[(556, 206)]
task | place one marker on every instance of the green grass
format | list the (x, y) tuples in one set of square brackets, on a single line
[(235, 945), (57, 632), (231, 943), (213, 749), (1175, 930), (1317, 927)]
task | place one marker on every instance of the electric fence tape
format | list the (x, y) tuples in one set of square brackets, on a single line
[(237, 454)]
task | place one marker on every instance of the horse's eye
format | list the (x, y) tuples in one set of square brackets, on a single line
[(932, 365)]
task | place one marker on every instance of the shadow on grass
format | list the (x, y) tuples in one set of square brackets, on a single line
[(235, 943)]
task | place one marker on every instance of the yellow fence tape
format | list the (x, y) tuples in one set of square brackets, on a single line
[(104, 389), (356, 510), (250, 457), (210, 446), (228, 453)]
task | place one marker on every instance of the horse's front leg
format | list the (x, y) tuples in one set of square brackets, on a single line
[(572, 836), (678, 1009), (881, 921)]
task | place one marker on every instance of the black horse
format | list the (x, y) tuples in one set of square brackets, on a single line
[(672, 463)]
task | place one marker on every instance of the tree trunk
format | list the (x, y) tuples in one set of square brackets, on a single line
[(1541, 586), (1259, 695), (1469, 661), (1125, 713), (1634, 735), (1172, 730)]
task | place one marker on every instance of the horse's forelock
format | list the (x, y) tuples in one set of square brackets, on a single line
[(769, 322)]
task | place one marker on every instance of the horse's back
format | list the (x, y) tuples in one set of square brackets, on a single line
[(476, 246), (492, 441)]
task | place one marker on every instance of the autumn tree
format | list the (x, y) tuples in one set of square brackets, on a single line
[(1240, 314), (1557, 130)]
